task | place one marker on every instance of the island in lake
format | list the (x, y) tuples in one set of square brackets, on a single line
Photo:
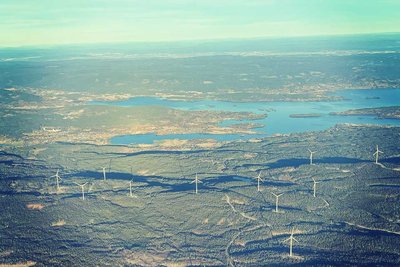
[(312, 115)]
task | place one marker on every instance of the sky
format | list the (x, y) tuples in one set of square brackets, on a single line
[(51, 22)]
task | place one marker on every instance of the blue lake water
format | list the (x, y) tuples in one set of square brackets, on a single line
[(278, 120)]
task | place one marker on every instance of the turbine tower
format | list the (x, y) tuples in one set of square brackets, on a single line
[(290, 239), (276, 201), (58, 179), (130, 189), (376, 154), (196, 181), (258, 181), (104, 173), (83, 189), (314, 186), (311, 156)]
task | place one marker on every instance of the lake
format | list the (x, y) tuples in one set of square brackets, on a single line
[(278, 120)]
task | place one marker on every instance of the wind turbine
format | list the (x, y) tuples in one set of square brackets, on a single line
[(291, 238), (311, 156), (376, 154), (196, 180), (130, 189), (130, 186), (104, 173), (277, 200), (58, 179), (258, 181), (83, 189), (314, 185)]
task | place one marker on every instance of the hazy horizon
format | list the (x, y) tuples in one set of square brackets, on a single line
[(47, 22), (184, 43)]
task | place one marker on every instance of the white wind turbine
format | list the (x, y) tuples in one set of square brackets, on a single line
[(376, 154), (130, 185), (104, 173), (311, 156), (83, 189), (130, 189), (315, 186), (196, 181), (290, 239), (258, 181), (276, 201), (58, 179)]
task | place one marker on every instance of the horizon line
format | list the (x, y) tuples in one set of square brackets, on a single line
[(276, 37)]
